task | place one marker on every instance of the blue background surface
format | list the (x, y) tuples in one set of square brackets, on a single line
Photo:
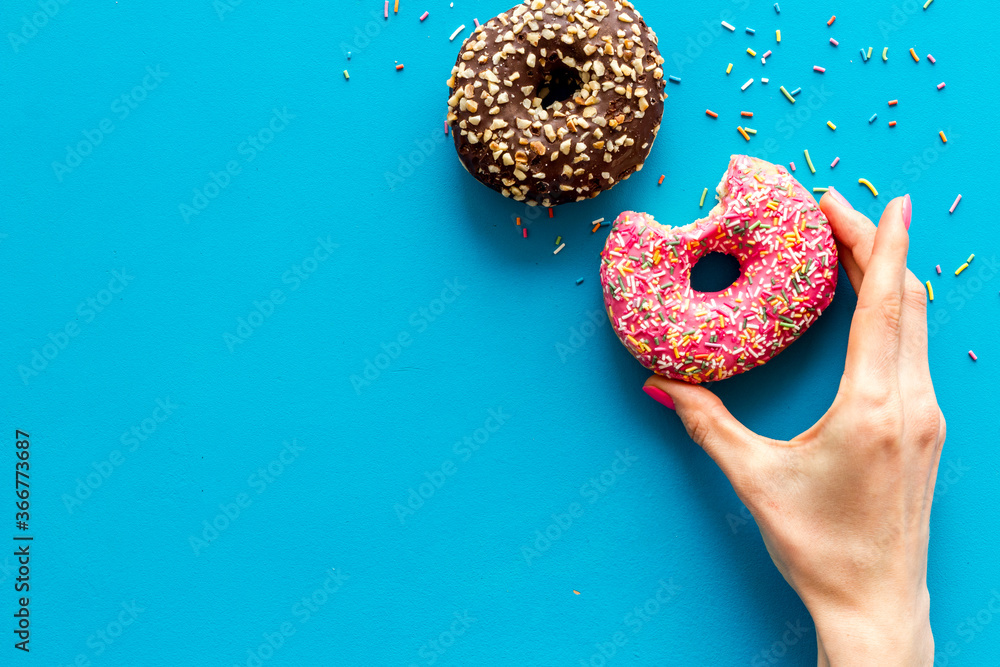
[(363, 164)]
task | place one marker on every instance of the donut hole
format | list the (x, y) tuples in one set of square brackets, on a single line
[(714, 272), (559, 84)]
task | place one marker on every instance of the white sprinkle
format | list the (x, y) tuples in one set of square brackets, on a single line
[(746, 85), (728, 27), (556, 251), (598, 221), (764, 80), (456, 33)]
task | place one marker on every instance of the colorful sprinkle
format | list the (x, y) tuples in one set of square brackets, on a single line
[(931, 58), (938, 269), (817, 68), (872, 119), (709, 112), (750, 130), (833, 164), (446, 128), (832, 19), (423, 17), (764, 80), (558, 239), (940, 85), (746, 85), (869, 52), (796, 91), (751, 52), (893, 103), (751, 31), (955, 204), (766, 55), (660, 182), (819, 190), (787, 95), (892, 123), (552, 212), (579, 281), (972, 354), (455, 34), (395, 9), (777, 36), (961, 268), (598, 221), (944, 139), (792, 165), (809, 162), (928, 4), (885, 54), (930, 291), (703, 193), (971, 257), (728, 27), (399, 67), (777, 9), (525, 230), (865, 182), (386, 8), (347, 75), (834, 42), (729, 69), (559, 249), (743, 132), (830, 125), (863, 56), (747, 114), (674, 79), (519, 221)]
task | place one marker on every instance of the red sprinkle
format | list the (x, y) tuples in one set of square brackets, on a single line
[(424, 16), (709, 112), (552, 213), (399, 67), (832, 19), (817, 68), (525, 230), (893, 103), (748, 114), (892, 123), (662, 176)]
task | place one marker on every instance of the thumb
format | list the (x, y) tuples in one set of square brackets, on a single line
[(706, 419)]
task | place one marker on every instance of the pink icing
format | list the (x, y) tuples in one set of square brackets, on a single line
[(788, 275)]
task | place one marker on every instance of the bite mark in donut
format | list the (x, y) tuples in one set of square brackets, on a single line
[(554, 102), (788, 276)]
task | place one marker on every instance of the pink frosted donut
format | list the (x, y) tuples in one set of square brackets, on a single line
[(788, 275)]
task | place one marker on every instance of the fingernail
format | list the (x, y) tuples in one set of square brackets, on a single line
[(840, 198), (659, 396), (907, 211)]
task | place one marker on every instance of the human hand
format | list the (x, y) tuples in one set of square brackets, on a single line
[(844, 508)]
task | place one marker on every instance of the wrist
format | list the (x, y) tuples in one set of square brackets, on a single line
[(886, 636)]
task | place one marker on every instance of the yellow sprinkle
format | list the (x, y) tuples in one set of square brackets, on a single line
[(396, 8), (928, 4), (809, 162), (787, 94), (743, 132), (702, 202), (777, 36), (751, 52), (346, 75), (729, 69), (930, 291), (944, 139), (865, 182), (962, 268), (885, 53), (913, 54), (869, 54), (830, 125)]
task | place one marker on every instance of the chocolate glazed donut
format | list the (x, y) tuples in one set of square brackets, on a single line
[(554, 102)]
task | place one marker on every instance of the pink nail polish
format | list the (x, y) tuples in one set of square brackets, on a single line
[(659, 396), (840, 198), (907, 211)]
